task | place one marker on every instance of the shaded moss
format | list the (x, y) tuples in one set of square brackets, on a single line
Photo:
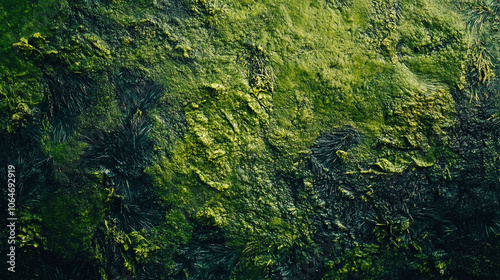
[(260, 140)]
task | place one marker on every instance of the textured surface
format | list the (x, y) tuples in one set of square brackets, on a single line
[(209, 139)]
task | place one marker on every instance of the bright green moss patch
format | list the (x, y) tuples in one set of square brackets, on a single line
[(255, 139), (20, 79), (65, 153)]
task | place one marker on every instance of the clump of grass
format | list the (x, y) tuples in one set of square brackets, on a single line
[(68, 95), (329, 149), (206, 256), (142, 211), (483, 34), (136, 93), (81, 267), (123, 153), (31, 169)]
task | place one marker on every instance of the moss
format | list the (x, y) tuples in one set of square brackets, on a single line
[(422, 162), (64, 153), (31, 234), (388, 166), (69, 222), (23, 25), (249, 88)]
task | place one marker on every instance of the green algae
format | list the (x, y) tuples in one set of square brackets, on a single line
[(249, 88)]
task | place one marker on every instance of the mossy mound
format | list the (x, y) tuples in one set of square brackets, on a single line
[(207, 139)]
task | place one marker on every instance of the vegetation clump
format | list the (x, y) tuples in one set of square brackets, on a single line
[(207, 139)]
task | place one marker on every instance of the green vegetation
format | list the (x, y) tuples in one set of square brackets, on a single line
[(208, 139)]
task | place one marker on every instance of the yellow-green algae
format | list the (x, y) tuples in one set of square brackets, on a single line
[(255, 83)]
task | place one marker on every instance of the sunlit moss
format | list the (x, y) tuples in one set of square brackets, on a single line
[(230, 108)]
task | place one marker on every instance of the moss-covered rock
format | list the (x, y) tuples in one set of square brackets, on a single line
[(255, 139)]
